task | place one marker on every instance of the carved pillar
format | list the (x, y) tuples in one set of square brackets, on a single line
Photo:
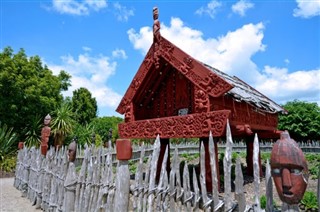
[(163, 145), (205, 141), (122, 195), (249, 158)]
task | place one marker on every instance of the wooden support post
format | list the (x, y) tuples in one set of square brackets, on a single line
[(124, 153), (249, 158), (164, 143)]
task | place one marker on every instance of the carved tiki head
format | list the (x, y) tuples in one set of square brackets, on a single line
[(47, 120), (289, 169), (72, 151)]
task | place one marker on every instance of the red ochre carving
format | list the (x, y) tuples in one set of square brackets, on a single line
[(201, 101), (193, 125), (289, 169)]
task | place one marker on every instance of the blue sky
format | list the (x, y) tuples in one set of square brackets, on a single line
[(272, 45)]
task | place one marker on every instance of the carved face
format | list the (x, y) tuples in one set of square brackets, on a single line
[(155, 13), (289, 170), (47, 120), (72, 150)]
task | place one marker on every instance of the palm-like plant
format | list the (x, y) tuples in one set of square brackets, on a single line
[(33, 133), (62, 123), (8, 141)]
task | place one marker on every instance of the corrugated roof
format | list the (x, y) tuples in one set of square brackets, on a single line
[(244, 92)]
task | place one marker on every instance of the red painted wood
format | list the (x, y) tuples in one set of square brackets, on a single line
[(186, 126)]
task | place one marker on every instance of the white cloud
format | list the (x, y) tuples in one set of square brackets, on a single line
[(232, 53), (119, 53), (87, 49), (307, 9), (122, 13), (287, 61), (92, 73), (74, 7), (281, 85), (241, 7), (210, 9)]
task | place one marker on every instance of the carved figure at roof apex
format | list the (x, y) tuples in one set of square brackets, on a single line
[(156, 38), (156, 25)]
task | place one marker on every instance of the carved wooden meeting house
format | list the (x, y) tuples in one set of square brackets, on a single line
[(173, 95)]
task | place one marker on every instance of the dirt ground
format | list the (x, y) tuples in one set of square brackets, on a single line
[(10, 198)]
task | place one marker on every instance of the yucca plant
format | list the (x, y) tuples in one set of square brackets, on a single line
[(8, 142), (33, 132), (62, 123)]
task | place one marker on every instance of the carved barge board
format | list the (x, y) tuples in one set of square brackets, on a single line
[(192, 69), (192, 125)]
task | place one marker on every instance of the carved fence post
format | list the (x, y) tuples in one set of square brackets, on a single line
[(227, 163), (124, 153), (215, 190), (256, 173), (269, 188), (196, 191), (239, 190), (206, 201), (161, 188), (137, 187), (153, 170), (173, 176)]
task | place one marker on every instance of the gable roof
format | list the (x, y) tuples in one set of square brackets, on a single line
[(211, 80), (241, 91)]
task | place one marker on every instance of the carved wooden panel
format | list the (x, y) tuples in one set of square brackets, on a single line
[(191, 69), (193, 125)]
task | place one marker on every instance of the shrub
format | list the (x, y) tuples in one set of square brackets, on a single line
[(263, 202), (309, 200), (8, 142), (8, 164)]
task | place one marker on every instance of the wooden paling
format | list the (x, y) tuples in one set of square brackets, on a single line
[(98, 187)]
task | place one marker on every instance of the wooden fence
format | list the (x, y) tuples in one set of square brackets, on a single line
[(53, 184)]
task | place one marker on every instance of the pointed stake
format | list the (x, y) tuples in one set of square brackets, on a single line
[(256, 173), (227, 163)]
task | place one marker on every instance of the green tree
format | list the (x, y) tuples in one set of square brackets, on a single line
[(302, 120), (84, 106), (27, 89), (83, 133), (102, 125), (62, 123)]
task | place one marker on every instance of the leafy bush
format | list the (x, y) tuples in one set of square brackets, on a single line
[(313, 164), (309, 200), (8, 142), (33, 132), (8, 164), (263, 202)]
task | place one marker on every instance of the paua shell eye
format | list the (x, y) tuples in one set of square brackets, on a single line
[(295, 171), (276, 171)]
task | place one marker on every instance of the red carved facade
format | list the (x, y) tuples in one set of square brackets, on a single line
[(193, 125), (170, 83)]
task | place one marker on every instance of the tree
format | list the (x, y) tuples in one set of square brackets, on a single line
[(84, 106), (302, 120), (102, 125), (62, 123), (27, 89)]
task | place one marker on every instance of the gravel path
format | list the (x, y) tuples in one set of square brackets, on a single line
[(11, 200)]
